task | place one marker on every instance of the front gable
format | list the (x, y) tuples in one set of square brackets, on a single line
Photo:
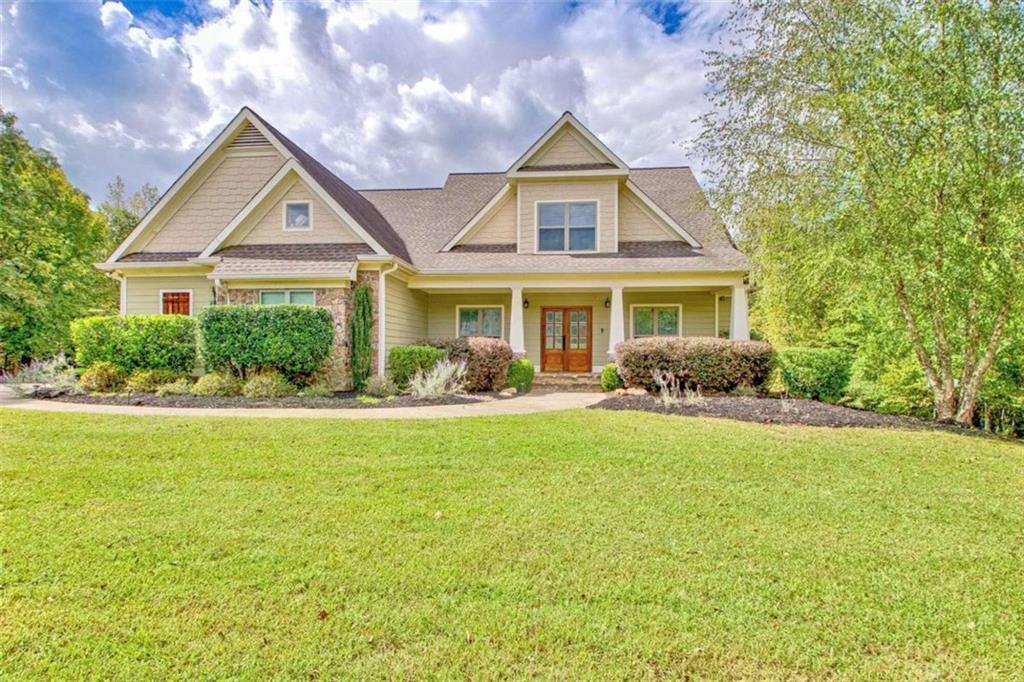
[(566, 148)]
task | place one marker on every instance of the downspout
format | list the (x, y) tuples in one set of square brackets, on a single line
[(381, 303)]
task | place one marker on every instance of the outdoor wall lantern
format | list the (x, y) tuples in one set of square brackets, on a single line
[(607, 303), (526, 303)]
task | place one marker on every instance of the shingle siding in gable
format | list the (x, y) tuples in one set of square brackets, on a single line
[(499, 227), (635, 225), (566, 148), (327, 227)]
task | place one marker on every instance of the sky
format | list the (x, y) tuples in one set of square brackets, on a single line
[(391, 94)]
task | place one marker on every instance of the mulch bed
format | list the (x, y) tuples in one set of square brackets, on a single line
[(775, 411), (338, 401)]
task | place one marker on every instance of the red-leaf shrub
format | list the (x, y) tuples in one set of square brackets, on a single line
[(717, 365), (487, 360)]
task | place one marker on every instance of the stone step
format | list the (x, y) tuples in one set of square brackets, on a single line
[(567, 381)]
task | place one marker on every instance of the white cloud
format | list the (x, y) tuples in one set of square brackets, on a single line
[(450, 29)]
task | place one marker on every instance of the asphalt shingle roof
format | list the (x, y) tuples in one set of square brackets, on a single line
[(274, 259)]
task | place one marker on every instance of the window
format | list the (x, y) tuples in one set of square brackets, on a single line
[(480, 321), (651, 320), (567, 226), (295, 297), (297, 216), (176, 302)]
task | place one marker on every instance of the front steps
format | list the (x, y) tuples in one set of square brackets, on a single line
[(567, 381)]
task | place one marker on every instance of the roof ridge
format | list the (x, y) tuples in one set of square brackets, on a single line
[(633, 168)]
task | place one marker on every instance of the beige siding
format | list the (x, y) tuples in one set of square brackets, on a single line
[(566, 147), (724, 313), (601, 315), (698, 309), (499, 227), (604, 191), (405, 313), (143, 293), (441, 311), (636, 225), (327, 227), (212, 205)]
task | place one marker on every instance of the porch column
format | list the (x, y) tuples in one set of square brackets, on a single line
[(515, 326), (617, 323), (739, 326)]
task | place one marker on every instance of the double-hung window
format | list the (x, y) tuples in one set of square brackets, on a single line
[(293, 296), (567, 226), (655, 320), (481, 321)]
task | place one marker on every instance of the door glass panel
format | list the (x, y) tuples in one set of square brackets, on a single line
[(668, 321), (553, 330)]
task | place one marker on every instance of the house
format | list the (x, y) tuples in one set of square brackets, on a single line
[(565, 254)]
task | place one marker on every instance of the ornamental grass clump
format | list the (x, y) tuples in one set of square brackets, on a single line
[(405, 361), (446, 378)]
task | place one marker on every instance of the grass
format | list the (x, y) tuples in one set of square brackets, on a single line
[(568, 545)]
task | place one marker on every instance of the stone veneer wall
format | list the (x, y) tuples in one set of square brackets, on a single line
[(338, 301)]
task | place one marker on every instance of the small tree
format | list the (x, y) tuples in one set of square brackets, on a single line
[(362, 336)]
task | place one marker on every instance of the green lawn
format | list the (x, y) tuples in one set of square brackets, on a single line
[(579, 544)]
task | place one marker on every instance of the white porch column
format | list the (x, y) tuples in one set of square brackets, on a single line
[(617, 323), (516, 338), (739, 326)]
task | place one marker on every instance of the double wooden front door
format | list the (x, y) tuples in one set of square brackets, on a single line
[(565, 336)]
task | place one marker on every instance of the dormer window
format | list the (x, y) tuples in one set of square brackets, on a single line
[(297, 216), (566, 226)]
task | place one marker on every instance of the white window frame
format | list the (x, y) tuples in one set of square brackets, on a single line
[(536, 225), (191, 299), (287, 295), (284, 216), (458, 316), (632, 327)]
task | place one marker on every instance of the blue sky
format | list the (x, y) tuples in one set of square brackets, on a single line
[(387, 95)]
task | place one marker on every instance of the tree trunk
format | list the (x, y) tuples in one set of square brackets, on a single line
[(969, 390)]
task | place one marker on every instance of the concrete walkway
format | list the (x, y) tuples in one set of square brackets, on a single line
[(527, 404)]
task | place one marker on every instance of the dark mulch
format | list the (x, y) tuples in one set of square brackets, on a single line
[(774, 411), (338, 401)]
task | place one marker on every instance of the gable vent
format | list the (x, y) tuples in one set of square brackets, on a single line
[(247, 138)]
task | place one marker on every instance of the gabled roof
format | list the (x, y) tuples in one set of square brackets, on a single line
[(612, 162)]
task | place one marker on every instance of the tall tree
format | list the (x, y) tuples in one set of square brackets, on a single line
[(872, 154), (123, 211), (49, 239)]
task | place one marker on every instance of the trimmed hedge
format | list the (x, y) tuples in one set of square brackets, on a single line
[(708, 363), (405, 361), (487, 360), (610, 379), (520, 375), (164, 342), (248, 339), (818, 373)]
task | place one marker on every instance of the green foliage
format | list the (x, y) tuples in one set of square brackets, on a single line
[(817, 373), (149, 380), (246, 339), (268, 384), (49, 240), (136, 342), (380, 386), (217, 384), (362, 336), (893, 385), (520, 375), (487, 360), (124, 212), (180, 387), (405, 361), (704, 363), (102, 377), (610, 379), (317, 390)]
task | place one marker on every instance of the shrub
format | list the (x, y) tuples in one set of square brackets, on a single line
[(294, 340), (180, 387), (443, 379), (711, 364), (610, 379), (148, 380), (102, 377), (520, 375), (317, 391), (216, 384), (819, 373), (268, 384), (134, 342), (405, 361), (55, 372), (361, 332), (380, 386), (487, 360), (455, 348)]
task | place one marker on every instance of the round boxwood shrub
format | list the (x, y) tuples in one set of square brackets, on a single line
[(610, 379), (166, 342), (520, 375), (248, 339), (708, 363), (148, 380), (405, 361), (102, 377), (818, 373), (217, 384), (268, 384)]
